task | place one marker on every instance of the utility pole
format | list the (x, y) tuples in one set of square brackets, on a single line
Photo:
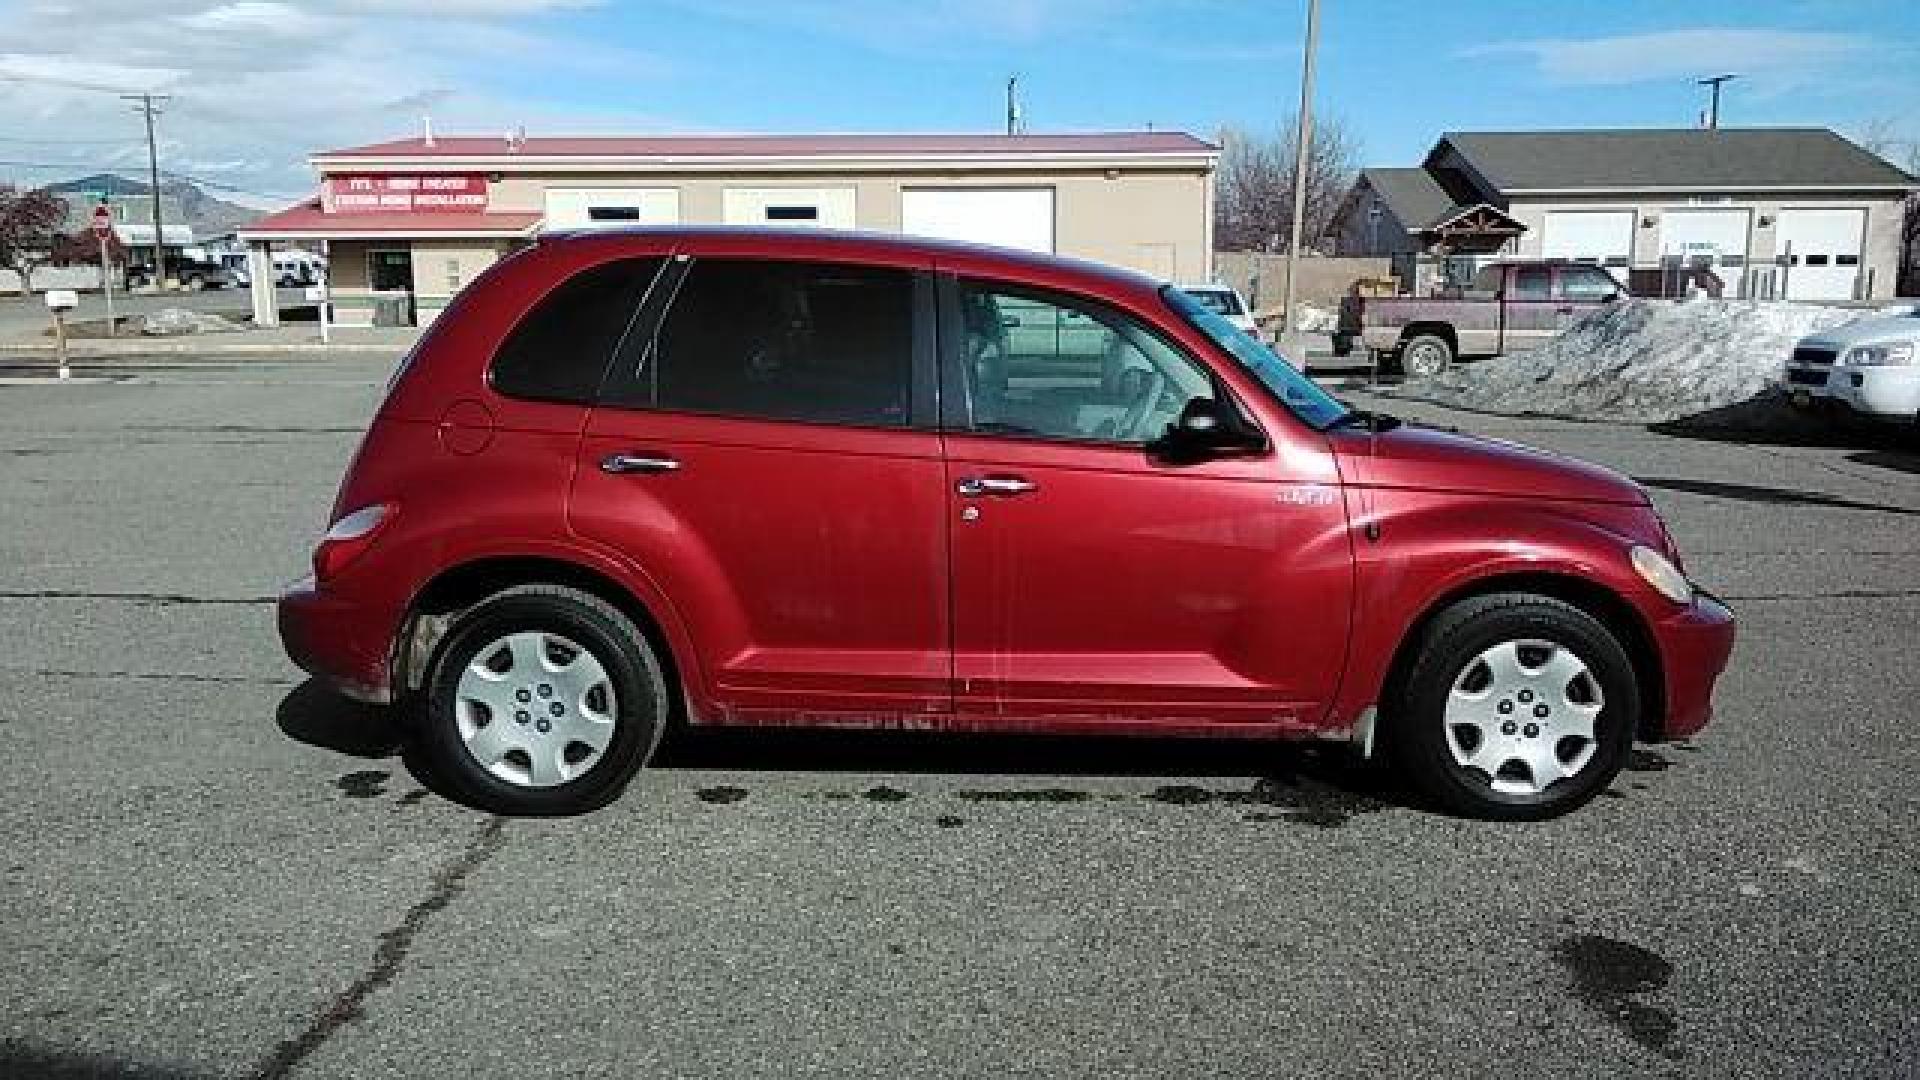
[(147, 109), (1302, 150), (1713, 107)]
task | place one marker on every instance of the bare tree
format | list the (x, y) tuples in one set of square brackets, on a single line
[(29, 226), (1254, 207), (1881, 136)]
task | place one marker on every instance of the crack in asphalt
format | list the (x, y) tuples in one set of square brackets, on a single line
[(1836, 594), (149, 676), (347, 1007), (158, 599)]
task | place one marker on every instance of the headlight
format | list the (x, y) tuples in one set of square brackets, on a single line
[(1666, 578), (1880, 355)]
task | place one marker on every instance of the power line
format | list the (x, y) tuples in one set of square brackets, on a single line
[(146, 109), (118, 170)]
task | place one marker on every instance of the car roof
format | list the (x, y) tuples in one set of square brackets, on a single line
[(866, 245)]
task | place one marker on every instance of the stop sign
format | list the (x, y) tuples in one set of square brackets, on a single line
[(102, 221)]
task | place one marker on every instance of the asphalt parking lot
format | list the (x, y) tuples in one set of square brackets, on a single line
[(213, 870)]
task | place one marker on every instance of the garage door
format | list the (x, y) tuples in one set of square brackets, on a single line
[(822, 207), (1596, 236), (1819, 251), (577, 208), (1008, 217)]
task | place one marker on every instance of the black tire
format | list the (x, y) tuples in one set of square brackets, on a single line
[(1424, 356), (640, 687), (1342, 344), (1416, 730)]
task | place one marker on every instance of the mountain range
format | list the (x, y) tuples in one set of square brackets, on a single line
[(182, 200)]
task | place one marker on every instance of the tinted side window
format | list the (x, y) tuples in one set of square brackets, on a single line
[(559, 350), (1050, 366), (812, 342), (1529, 283), (1586, 283)]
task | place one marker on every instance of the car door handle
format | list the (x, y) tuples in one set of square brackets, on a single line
[(639, 463), (1000, 486), (1568, 310)]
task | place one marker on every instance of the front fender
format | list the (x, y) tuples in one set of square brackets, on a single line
[(1435, 547)]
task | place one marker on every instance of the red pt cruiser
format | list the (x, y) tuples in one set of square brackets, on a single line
[(784, 478)]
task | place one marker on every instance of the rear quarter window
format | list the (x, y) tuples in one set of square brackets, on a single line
[(560, 349)]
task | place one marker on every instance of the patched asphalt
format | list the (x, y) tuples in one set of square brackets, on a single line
[(211, 869)]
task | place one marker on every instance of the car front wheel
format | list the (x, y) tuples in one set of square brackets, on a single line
[(543, 700), (1517, 707)]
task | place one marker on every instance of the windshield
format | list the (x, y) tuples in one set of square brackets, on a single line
[(1218, 301), (1301, 395)]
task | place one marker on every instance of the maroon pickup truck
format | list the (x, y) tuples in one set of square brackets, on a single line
[(1509, 306)]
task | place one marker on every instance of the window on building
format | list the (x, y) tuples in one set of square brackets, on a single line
[(559, 350), (1043, 365), (1529, 283), (613, 213), (809, 342), (1846, 260), (793, 213)]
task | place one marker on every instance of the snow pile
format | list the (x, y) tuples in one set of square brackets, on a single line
[(1646, 362), (173, 322)]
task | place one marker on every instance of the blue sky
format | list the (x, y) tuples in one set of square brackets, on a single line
[(258, 84)]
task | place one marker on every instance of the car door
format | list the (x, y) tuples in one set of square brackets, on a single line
[(1527, 308), (1578, 289), (1097, 585), (768, 457)]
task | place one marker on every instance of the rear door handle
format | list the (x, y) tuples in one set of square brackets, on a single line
[(639, 463), (999, 486)]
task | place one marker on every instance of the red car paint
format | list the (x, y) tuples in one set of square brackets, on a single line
[(826, 575)]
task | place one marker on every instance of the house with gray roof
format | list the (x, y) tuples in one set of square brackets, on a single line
[(1800, 213)]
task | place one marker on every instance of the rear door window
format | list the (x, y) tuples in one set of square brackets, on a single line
[(808, 342), (560, 349), (1529, 283), (1586, 284)]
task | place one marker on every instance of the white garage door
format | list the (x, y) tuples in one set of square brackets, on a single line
[(1007, 217), (1596, 236), (1820, 252), (820, 207), (578, 208)]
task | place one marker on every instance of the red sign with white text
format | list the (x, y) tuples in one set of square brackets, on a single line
[(396, 193)]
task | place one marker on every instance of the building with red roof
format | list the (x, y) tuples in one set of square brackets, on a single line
[(407, 223)]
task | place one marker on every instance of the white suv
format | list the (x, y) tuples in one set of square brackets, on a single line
[(1871, 366)]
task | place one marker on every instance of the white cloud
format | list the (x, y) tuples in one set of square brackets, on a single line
[(258, 85), (1770, 56)]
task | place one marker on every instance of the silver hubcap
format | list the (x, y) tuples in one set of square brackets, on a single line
[(535, 709), (1424, 361), (1522, 715)]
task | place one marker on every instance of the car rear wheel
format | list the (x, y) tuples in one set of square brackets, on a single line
[(1517, 707), (543, 700), (1424, 356)]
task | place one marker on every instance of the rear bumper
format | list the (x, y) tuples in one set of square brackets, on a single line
[(1694, 645), (337, 641)]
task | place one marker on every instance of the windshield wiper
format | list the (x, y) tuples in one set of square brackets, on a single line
[(1375, 422)]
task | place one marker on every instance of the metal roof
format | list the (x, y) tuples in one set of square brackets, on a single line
[(1099, 144), (308, 220), (1728, 159)]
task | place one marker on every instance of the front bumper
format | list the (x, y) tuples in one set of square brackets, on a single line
[(1892, 392), (337, 641), (1695, 644)]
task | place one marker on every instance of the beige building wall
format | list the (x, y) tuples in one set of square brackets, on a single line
[(442, 268), (1881, 252), (1155, 221)]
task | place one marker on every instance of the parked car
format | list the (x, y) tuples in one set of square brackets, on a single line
[(1511, 305), (1227, 303), (1870, 367), (192, 274), (738, 478)]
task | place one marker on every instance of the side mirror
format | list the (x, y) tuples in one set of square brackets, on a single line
[(1206, 428), (1610, 297)]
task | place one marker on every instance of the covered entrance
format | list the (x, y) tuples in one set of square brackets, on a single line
[(390, 280)]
